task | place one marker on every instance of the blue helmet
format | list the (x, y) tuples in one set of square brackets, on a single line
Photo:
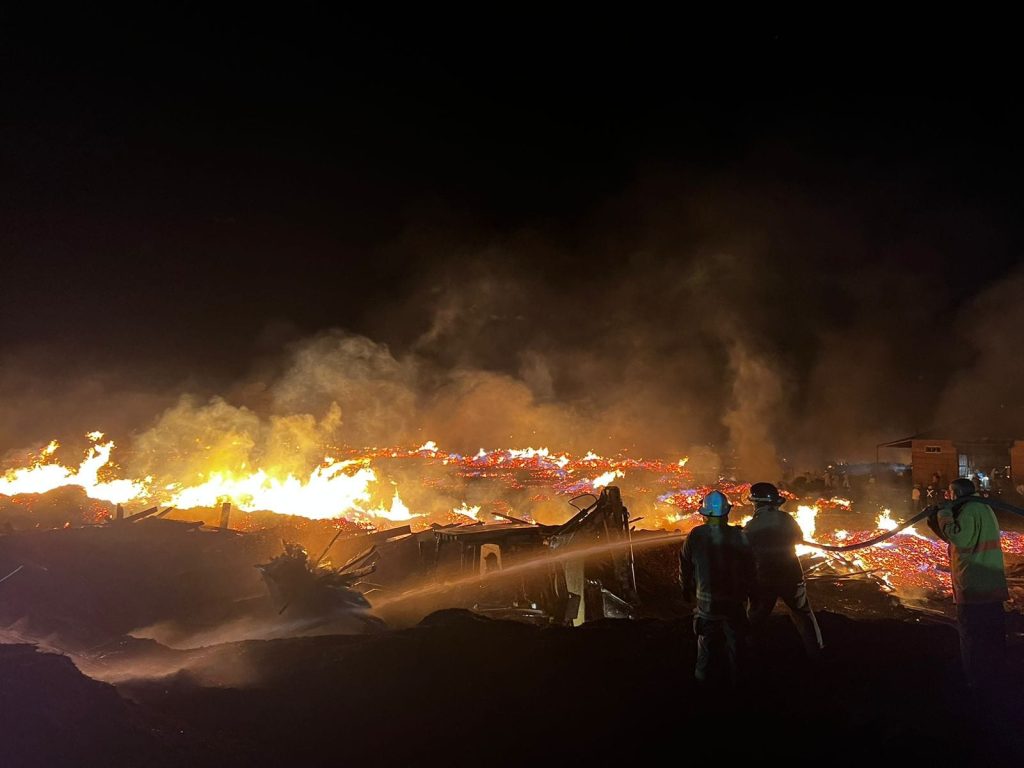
[(715, 504)]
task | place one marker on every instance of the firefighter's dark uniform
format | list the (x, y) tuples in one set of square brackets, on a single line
[(773, 535), (716, 570)]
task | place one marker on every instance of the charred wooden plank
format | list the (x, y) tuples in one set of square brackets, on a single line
[(142, 515)]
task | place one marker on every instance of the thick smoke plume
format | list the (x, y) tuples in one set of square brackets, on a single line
[(741, 327)]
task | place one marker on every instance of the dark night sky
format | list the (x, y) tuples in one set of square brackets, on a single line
[(181, 195)]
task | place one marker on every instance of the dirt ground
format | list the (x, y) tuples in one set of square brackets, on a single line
[(463, 690)]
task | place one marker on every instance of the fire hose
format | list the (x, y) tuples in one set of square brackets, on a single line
[(926, 512)]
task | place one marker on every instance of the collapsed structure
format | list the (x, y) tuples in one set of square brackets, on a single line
[(542, 574)]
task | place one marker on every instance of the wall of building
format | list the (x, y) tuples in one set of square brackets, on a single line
[(1017, 462), (927, 462)]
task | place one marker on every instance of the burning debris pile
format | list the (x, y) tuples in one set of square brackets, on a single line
[(86, 589), (910, 565), (324, 596), (351, 488), (493, 508), (563, 575)]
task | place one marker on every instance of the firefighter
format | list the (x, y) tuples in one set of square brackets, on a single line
[(716, 571), (773, 535), (971, 529)]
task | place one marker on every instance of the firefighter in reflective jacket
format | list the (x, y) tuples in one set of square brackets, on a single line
[(773, 535), (979, 581), (716, 571)]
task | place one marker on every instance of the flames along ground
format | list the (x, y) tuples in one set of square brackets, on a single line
[(354, 488)]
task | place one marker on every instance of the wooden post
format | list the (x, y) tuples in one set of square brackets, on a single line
[(225, 515), (119, 515)]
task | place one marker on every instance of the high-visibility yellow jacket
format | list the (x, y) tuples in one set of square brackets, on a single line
[(975, 555)]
